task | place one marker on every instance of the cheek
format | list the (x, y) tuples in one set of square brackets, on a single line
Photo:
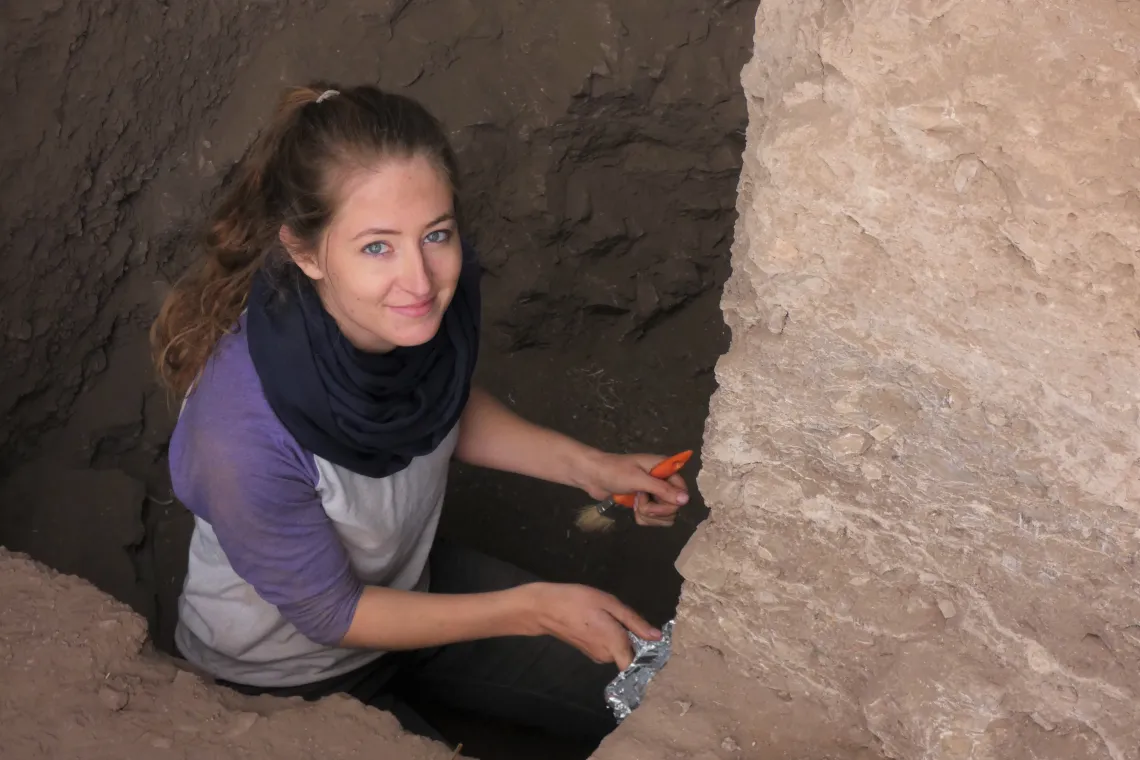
[(359, 279), (446, 267)]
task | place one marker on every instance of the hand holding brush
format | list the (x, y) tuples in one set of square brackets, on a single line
[(663, 481)]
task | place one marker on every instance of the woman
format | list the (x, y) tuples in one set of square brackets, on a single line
[(324, 348)]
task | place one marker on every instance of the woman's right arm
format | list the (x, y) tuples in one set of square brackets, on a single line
[(583, 617)]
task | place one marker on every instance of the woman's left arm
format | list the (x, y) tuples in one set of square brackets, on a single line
[(491, 435)]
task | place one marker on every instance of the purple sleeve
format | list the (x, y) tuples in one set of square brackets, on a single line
[(235, 466), (270, 523)]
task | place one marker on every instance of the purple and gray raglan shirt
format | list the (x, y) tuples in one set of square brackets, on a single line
[(285, 541)]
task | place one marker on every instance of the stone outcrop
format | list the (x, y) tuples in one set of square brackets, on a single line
[(922, 461)]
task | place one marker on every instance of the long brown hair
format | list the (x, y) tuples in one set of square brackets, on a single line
[(287, 178)]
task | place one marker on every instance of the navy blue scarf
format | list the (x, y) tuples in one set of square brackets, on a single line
[(370, 413)]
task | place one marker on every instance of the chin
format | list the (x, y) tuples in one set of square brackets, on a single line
[(415, 334)]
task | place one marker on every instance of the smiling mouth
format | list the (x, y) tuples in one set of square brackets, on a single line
[(415, 309)]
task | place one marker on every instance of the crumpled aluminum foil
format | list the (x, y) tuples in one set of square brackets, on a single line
[(624, 693)]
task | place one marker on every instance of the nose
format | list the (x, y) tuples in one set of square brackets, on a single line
[(414, 275)]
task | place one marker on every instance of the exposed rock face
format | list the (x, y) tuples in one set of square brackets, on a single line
[(922, 461)]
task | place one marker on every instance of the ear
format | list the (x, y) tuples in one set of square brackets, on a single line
[(301, 255)]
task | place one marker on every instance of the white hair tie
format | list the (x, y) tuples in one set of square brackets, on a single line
[(326, 95)]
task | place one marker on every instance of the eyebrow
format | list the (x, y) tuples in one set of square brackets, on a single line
[(449, 216)]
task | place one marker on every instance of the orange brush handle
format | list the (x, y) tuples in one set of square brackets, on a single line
[(661, 471)]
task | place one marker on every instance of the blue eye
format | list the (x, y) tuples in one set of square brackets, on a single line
[(438, 236), (376, 249)]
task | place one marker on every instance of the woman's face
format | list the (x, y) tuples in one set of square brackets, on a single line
[(389, 263)]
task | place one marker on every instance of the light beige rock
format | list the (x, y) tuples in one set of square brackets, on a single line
[(942, 195)]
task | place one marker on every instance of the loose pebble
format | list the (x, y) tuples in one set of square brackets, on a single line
[(112, 699), (242, 723)]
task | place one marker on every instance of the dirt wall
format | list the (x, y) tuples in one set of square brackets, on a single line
[(922, 461), (600, 148)]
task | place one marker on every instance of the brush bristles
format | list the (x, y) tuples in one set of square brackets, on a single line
[(593, 521)]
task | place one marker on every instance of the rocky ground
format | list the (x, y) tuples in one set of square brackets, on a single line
[(601, 145)]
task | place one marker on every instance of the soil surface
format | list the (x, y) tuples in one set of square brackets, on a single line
[(81, 681), (601, 146)]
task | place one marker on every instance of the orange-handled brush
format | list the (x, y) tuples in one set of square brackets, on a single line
[(600, 516)]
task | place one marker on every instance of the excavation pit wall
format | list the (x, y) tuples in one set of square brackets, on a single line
[(600, 148), (921, 459)]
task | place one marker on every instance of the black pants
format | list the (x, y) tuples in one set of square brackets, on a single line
[(533, 681)]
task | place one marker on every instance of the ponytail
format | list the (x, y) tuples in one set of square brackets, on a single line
[(206, 303)]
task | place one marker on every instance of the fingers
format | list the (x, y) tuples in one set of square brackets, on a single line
[(595, 623), (653, 522), (614, 644), (665, 490), (652, 514), (661, 513), (631, 620), (628, 474), (671, 491), (621, 652)]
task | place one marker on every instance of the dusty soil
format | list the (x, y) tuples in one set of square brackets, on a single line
[(601, 145), (81, 681)]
